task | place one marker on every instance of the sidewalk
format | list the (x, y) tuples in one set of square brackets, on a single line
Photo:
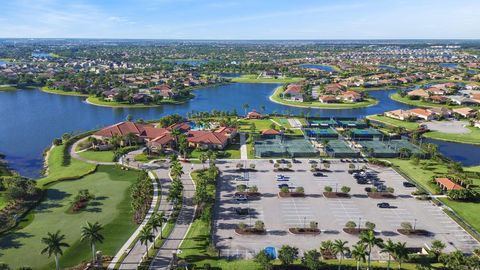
[(243, 147)]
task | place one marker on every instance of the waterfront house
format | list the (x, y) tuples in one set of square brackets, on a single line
[(465, 112), (420, 93), (422, 114), (254, 115), (293, 92)]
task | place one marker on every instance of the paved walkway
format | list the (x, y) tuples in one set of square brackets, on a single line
[(243, 147), (137, 252), (182, 225)]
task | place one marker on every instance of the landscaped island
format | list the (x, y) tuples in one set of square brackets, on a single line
[(294, 96)]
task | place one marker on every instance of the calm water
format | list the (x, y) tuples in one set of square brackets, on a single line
[(320, 67), (467, 154), (449, 65), (390, 68), (31, 119)]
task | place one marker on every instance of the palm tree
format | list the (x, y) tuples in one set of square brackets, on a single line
[(245, 106), (400, 253), (156, 221), (54, 243), (359, 252), (340, 247), (389, 248), (203, 158), (146, 236), (368, 238), (129, 138), (91, 232)]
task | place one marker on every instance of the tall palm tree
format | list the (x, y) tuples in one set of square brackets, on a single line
[(146, 236), (368, 238), (400, 253), (245, 106), (54, 244), (359, 253), (156, 221), (389, 248), (91, 232), (340, 247)]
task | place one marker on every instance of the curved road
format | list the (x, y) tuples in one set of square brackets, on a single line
[(164, 256)]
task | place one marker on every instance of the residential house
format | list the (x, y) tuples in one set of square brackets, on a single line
[(328, 99), (352, 96), (254, 115), (420, 93), (398, 114), (465, 112), (422, 114), (206, 139), (293, 92)]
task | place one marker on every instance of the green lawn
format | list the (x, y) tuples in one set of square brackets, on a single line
[(8, 88), (102, 156), (252, 78), (466, 210), (472, 138), (232, 151), (393, 122), (62, 92), (56, 171), (3, 200), (275, 97), (260, 124), (420, 103), (111, 207)]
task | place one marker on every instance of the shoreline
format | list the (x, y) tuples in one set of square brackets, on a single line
[(327, 107)]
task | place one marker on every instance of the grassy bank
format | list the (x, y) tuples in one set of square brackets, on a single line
[(253, 78), (56, 171), (473, 137), (393, 122), (6, 88), (62, 92), (420, 103), (111, 207), (275, 97)]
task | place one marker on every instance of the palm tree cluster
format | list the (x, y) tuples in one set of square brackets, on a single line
[(54, 243), (205, 185), (176, 188), (141, 196)]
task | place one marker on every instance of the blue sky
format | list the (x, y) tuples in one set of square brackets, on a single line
[(240, 19)]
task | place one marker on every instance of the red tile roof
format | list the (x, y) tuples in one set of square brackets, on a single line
[(448, 184), (271, 132), (206, 137), (122, 128)]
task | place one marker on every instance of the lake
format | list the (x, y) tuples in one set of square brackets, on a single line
[(320, 67), (449, 65), (467, 154), (31, 119), (390, 68)]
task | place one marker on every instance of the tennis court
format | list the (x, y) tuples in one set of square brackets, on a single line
[(351, 123), (377, 149), (340, 149), (284, 147), (321, 133), (322, 122), (365, 134), (399, 144)]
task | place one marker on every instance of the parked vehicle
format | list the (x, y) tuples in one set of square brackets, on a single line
[(383, 205), (318, 174), (408, 184), (282, 178), (241, 211), (241, 198)]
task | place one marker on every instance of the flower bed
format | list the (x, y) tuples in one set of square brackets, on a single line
[(250, 231), (336, 195), (381, 195), (291, 194)]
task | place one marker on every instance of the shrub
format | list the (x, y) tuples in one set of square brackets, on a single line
[(390, 189), (406, 226), (313, 225), (253, 189), (242, 226), (300, 190), (284, 190), (370, 225), (241, 188), (350, 224), (328, 189), (345, 189), (259, 225)]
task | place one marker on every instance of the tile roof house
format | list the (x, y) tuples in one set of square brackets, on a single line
[(447, 184), (122, 129), (351, 96), (254, 115), (418, 93), (293, 92), (328, 99), (465, 112), (398, 114), (206, 139), (422, 114)]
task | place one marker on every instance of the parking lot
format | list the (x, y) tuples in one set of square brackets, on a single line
[(280, 214)]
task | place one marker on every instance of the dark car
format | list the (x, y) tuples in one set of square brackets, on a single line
[(362, 182), (318, 174), (408, 184), (383, 205)]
